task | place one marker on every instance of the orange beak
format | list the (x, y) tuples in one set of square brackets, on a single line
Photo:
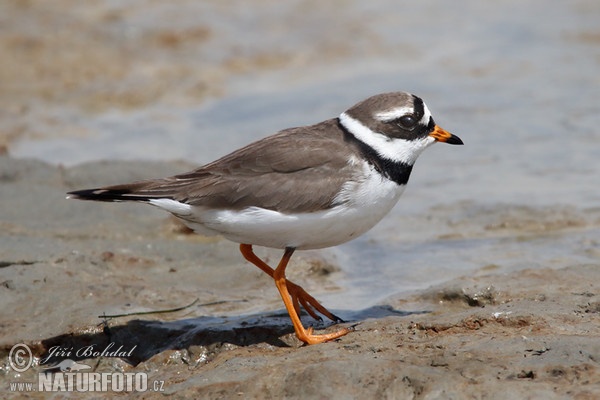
[(443, 136)]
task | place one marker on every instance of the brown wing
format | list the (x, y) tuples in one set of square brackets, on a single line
[(295, 170)]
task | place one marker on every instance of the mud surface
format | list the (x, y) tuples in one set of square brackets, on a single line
[(527, 334), (482, 283)]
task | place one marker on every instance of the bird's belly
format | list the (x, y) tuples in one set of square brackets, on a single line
[(263, 227)]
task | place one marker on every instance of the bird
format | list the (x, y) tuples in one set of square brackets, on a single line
[(307, 187)]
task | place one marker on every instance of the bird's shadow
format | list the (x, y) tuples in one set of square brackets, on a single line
[(137, 341)]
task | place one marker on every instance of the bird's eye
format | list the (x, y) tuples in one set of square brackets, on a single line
[(407, 121)]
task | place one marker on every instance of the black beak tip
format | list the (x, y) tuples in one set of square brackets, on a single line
[(454, 140)]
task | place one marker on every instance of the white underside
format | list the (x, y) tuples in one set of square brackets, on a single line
[(367, 201)]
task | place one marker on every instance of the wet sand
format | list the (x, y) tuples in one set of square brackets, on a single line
[(482, 283), (527, 334)]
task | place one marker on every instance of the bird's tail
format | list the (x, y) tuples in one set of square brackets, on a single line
[(128, 192)]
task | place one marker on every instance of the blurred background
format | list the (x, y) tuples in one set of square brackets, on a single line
[(518, 81)]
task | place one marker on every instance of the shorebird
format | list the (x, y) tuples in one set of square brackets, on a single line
[(302, 188)]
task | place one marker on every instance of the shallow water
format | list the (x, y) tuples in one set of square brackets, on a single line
[(517, 81)]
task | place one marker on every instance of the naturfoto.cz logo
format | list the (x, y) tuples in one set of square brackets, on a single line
[(73, 376)]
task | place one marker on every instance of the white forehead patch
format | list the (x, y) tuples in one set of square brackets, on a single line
[(394, 149), (426, 115)]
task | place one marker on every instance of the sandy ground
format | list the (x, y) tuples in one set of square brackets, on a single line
[(528, 334), (66, 267)]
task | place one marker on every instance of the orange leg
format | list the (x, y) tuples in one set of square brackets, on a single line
[(299, 296), (293, 295)]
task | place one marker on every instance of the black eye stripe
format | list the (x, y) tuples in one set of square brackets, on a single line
[(431, 123)]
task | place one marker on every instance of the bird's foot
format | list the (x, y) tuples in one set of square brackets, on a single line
[(301, 298), (308, 337)]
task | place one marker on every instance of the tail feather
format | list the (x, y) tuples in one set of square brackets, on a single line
[(130, 192), (105, 195)]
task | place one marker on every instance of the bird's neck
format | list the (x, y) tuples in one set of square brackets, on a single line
[(396, 171)]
